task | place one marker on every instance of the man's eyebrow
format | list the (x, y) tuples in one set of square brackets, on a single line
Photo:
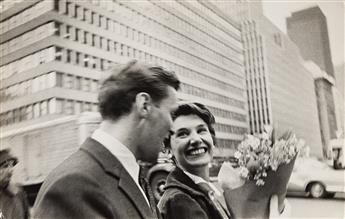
[(171, 132)]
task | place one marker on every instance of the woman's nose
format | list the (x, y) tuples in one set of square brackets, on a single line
[(195, 138)]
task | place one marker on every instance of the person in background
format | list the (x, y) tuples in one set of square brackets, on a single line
[(189, 193), (101, 180), (13, 200)]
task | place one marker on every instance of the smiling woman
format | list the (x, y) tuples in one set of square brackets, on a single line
[(191, 144), (188, 192)]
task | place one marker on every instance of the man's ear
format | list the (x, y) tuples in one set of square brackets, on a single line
[(143, 102)]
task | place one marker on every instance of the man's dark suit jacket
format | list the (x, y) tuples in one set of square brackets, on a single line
[(91, 183)]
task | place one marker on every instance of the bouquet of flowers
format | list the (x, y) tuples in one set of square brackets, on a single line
[(263, 168)]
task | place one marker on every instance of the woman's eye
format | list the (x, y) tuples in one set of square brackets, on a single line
[(202, 130), (182, 134)]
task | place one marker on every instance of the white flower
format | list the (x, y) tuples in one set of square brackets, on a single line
[(244, 172), (265, 136), (253, 141), (260, 182), (274, 165), (292, 151), (300, 144), (237, 154), (268, 129), (256, 155)]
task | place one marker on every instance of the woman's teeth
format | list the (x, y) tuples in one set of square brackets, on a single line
[(197, 151)]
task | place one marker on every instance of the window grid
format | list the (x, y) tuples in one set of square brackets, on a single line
[(26, 15), (46, 107), (122, 30), (227, 114), (227, 143), (188, 89), (108, 45), (27, 38), (230, 129)]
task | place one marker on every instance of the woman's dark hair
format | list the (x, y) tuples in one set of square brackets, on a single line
[(198, 109), (118, 91)]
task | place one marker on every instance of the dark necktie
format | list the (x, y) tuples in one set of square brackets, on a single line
[(145, 185), (211, 194)]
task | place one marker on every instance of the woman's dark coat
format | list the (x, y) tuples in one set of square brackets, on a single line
[(184, 199)]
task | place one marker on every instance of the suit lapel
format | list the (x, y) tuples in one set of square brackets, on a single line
[(127, 184), (112, 166)]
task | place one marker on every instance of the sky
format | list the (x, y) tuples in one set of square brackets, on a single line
[(278, 10)]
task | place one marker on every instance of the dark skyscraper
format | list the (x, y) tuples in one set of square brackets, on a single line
[(308, 29)]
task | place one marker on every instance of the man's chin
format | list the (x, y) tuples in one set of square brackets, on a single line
[(151, 159), (4, 184)]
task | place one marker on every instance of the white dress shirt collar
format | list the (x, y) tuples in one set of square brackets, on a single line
[(122, 153)]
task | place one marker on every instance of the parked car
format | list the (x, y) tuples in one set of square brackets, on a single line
[(316, 178), (158, 173)]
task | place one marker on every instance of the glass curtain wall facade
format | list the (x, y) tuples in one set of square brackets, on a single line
[(53, 54), (280, 89)]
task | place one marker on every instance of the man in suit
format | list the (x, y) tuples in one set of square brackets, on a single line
[(100, 180)]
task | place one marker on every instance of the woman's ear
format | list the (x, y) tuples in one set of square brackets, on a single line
[(143, 102)]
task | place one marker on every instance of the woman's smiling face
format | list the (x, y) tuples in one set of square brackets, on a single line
[(191, 142)]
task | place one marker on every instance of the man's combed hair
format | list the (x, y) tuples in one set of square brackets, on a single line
[(118, 91)]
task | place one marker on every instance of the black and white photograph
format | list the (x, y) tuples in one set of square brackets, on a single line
[(172, 109)]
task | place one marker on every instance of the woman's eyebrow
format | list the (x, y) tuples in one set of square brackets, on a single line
[(181, 129), (202, 126)]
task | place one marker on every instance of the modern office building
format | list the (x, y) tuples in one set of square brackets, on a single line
[(241, 10), (53, 53), (324, 85), (280, 89), (339, 78), (308, 29), (339, 96)]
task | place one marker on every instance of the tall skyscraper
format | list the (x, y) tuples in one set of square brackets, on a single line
[(308, 29), (324, 84), (280, 89), (339, 94), (339, 79), (53, 53)]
